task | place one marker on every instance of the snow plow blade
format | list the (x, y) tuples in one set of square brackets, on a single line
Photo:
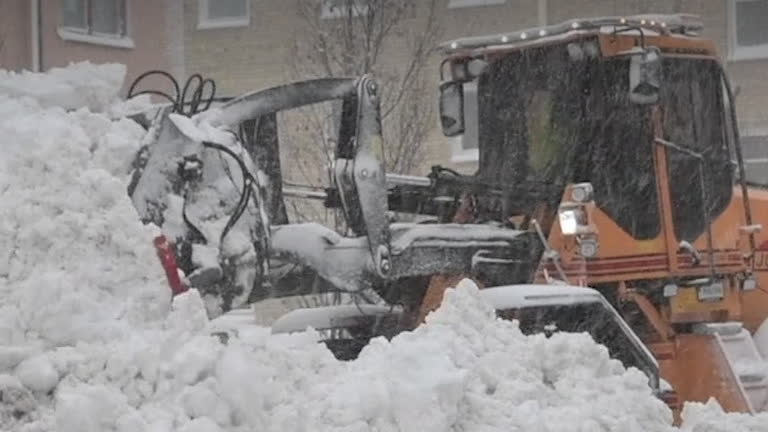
[(698, 370)]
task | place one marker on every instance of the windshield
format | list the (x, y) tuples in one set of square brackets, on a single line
[(693, 116), (549, 115), (553, 115)]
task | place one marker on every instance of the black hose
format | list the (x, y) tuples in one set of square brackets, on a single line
[(248, 182), (150, 73), (197, 95), (192, 95)]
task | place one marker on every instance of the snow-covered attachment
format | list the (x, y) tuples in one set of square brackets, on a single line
[(200, 178), (200, 187)]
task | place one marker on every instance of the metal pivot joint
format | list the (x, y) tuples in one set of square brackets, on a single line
[(369, 175)]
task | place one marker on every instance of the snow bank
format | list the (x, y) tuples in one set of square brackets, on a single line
[(78, 85), (75, 265), (76, 269), (89, 340), (710, 417), (467, 370)]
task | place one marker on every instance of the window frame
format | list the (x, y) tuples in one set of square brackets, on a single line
[(206, 22), (735, 52), (327, 13), (457, 4), (719, 175), (88, 35)]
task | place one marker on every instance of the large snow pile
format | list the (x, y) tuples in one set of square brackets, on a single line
[(90, 341), (79, 85), (709, 417)]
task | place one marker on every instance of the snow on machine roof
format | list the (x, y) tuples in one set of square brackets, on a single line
[(678, 24)]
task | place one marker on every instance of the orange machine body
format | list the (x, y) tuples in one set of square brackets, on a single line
[(734, 248)]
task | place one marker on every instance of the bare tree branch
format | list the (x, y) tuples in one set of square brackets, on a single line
[(391, 39)]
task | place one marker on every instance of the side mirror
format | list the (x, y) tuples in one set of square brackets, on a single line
[(645, 76), (452, 108)]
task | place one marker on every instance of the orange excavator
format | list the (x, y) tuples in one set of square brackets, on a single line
[(633, 117), (608, 157)]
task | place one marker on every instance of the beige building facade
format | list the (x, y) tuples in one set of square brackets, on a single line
[(247, 45)]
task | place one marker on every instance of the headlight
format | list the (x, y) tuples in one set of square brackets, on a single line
[(569, 222), (588, 248), (571, 219), (582, 192), (670, 290), (749, 284)]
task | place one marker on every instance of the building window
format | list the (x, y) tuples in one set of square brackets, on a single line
[(102, 17), (754, 145), (748, 30), (472, 3), (224, 13), (95, 21), (343, 8)]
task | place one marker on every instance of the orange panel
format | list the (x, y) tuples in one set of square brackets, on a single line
[(438, 284), (622, 257), (698, 370), (611, 45), (754, 309), (755, 305)]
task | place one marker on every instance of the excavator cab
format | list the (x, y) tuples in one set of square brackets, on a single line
[(576, 109)]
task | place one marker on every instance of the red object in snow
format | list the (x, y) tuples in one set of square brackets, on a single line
[(167, 255)]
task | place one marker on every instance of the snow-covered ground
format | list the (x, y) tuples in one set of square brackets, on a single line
[(91, 341)]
